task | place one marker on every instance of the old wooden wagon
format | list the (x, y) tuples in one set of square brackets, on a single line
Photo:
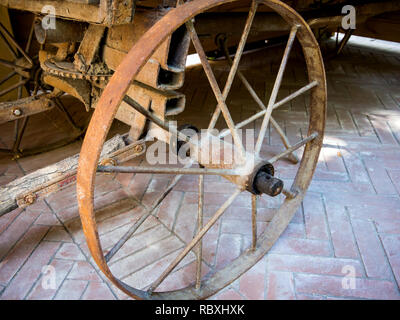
[(126, 59)]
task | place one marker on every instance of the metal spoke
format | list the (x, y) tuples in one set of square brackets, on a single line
[(276, 105), (292, 157), (293, 148), (142, 219), (250, 89), (242, 77), (11, 49), (214, 86), (150, 115), (289, 193), (65, 112), (11, 65), (5, 32), (194, 241), (7, 77), (166, 170), (254, 221), (199, 251), (15, 86), (19, 133), (275, 90), (235, 63), (296, 94)]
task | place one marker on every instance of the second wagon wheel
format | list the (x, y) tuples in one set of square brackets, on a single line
[(23, 93), (251, 171)]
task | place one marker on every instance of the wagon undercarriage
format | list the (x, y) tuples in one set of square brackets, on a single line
[(127, 61)]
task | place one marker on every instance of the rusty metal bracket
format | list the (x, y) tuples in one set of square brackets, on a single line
[(22, 108), (39, 184)]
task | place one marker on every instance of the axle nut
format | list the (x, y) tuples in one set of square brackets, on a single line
[(266, 183)]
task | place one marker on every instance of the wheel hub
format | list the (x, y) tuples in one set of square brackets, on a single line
[(254, 174), (262, 180)]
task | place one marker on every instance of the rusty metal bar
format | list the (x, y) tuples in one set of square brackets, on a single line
[(294, 147), (150, 115), (194, 241), (20, 133), (23, 107), (5, 32), (276, 105), (296, 94), (235, 62), (15, 86), (199, 251), (8, 46), (254, 221), (289, 194), (142, 219), (344, 41), (7, 77), (275, 89), (65, 112), (158, 170), (249, 88), (215, 88), (10, 64)]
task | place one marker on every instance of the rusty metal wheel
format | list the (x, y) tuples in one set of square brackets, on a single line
[(23, 93), (250, 172)]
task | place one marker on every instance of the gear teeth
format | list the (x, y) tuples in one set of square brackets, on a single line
[(73, 74)]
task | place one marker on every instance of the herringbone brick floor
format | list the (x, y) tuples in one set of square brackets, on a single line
[(343, 243)]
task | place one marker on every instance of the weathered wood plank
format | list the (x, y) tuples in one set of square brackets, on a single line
[(103, 12), (10, 193)]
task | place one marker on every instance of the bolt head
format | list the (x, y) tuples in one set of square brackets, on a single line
[(29, 199), (17, 112), (108, 162), (138, 148)]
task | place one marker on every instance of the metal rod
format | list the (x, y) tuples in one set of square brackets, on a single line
[(29, 42), (7, 77), (65, 112), (344, 41), (194, 241), (166, 170), (285, 140), (20, 134), (250, 89), (142, 219), (293, 148), (275, 90), (254, 117), (199, 251), (15, 86), (9, 64), (150, 115), (11, 49), (235, 63), (15, 43), (296, 94), (254, 221), (214, 86), (289, 194), (242, 77)]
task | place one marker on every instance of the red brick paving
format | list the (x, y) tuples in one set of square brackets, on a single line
[(349, 220)]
